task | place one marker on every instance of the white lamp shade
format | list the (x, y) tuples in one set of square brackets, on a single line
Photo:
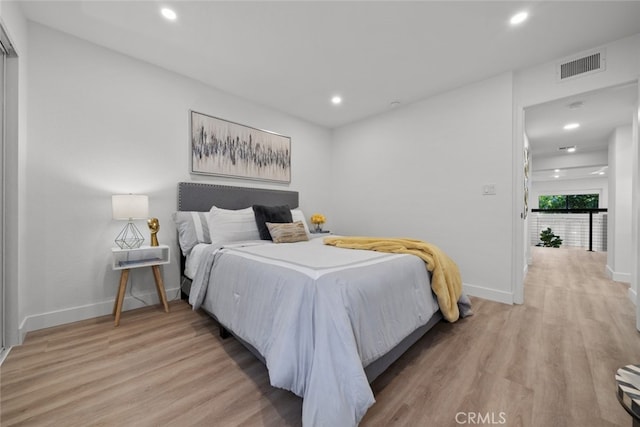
[(130, 206)]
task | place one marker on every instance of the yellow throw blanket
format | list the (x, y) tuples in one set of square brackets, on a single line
[(445, 281)]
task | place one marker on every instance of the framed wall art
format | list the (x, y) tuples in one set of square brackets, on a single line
[(223, 148)]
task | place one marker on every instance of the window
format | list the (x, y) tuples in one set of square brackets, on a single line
[(569, 201)]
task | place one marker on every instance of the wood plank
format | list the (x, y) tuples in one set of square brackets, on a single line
[(550, 361)]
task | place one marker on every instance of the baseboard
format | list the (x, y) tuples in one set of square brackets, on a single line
[(617, 276), (490, 294), (633, 296), (89, 311)]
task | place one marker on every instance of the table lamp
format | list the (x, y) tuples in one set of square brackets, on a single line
[(129, 207)]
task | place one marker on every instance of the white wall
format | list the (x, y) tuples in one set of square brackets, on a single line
[(418, 172), (101, 123), (590, 158), (538, 84), (620, 180)]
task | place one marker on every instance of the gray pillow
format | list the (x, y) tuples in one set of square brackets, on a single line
[(273, 214), (193, 228)]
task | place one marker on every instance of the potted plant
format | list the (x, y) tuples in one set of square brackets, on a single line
[(550, 240), (317, 220)]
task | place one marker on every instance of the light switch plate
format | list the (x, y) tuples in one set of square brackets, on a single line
[(489, 190)]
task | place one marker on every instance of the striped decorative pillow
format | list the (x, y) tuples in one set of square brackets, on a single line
[(287, 232), (193, 228)]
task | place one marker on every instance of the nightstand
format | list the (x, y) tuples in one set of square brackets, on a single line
[(145, 256)]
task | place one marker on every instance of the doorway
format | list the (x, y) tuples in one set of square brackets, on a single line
[(593, 155)]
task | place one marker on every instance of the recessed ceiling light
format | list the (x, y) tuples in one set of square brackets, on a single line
[(571, 150), (519, 18), (394, 104), (571, 126), (168, 13), (336, 100), (556, 170), (601, 171), (556, 176)]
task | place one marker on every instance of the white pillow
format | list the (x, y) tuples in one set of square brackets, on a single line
[(232, 225), (193, 228), (298, 215)]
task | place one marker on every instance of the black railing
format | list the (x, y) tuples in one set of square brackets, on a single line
[(590, 211)]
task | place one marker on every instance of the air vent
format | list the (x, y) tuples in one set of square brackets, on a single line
[(585, 64)]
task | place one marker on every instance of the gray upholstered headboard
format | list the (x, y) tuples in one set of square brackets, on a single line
[(197, 196)]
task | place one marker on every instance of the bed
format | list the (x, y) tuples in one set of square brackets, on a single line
[(326, 321)]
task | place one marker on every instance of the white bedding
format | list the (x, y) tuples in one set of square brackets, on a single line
[(193, 259), (201, 250), (318, 315)]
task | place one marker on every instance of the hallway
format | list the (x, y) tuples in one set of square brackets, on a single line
[(588, 331)]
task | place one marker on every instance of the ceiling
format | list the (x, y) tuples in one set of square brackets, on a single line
[(293, 56), (598, 113)]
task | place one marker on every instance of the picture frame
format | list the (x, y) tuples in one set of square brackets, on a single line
[(220, 147)]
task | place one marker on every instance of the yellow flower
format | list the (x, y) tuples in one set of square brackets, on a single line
[(318, 219)]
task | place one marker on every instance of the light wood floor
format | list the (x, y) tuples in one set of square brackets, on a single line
[(549, 362)]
